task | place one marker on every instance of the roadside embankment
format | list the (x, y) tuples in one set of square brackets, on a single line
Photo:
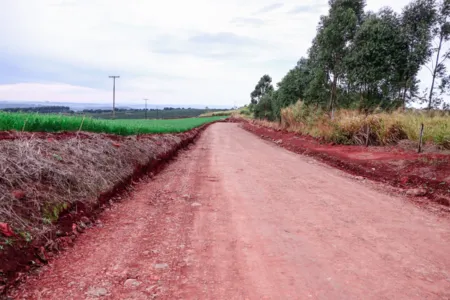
[(53, 184)]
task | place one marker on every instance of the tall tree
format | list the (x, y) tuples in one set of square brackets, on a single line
[(263, 86), (264, 108), (293, 86), (377, 52), (335, 35), (417, 20), (318, 89), (441, 34)]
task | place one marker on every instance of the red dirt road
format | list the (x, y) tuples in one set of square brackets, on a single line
[(236, 217)]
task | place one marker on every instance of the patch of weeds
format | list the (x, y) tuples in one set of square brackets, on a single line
[(56, 156), (46, 221), (8, 241), (51, 213), (26, 236)]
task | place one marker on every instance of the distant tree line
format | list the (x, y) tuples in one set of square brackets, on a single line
[(366, 60), (98, 111), (153, 113), (41, 109)]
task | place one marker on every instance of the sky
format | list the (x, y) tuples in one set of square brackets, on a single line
[(170, 52)]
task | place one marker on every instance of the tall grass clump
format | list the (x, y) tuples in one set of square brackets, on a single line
[(436, 126), (352, 126)]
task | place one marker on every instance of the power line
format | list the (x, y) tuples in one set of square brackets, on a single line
[(114, 95)]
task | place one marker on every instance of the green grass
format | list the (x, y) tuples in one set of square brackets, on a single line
[(56, 123)]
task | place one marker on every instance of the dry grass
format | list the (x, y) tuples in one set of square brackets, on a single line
[(351, 127), (265, 123), (54, 175)]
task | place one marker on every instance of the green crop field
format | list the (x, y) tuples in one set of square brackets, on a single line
[(55, 123)]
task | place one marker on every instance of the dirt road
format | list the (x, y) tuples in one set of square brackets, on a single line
[(236, 217)]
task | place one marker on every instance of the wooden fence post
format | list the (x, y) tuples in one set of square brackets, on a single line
[(420, 138), (368, 135)]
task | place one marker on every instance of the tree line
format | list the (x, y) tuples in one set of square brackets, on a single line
[(41, 109), (366, 60), (97, 111)]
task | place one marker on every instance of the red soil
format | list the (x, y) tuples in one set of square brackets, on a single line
[(235, 217), (15, 261), (391, 165)]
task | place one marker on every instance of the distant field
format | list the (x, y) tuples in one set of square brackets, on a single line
[(221, 113), (55, 123), (173, 113)]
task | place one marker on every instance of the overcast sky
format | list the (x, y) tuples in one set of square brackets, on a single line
[(171, 52)]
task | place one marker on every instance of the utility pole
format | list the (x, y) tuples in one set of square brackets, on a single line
[(114, 95), (145, 108), (156, 111)]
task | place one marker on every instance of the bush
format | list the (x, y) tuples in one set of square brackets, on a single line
[(245, 111), (264, 108)]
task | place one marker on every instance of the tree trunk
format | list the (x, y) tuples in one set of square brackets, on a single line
[(404, 94), (435, 72), (333, 94)]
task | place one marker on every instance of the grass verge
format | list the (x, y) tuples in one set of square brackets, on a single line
[(352, 128)]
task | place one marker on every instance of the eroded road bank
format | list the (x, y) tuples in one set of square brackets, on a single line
[(235, 217)]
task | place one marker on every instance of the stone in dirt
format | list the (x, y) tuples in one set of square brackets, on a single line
[(97, 292), (150, 288), (161, 266), (98, 223), (416, 192), (196, 204), (279, 141), (131, 283), (40, 253), (81, 228), (85, 220)]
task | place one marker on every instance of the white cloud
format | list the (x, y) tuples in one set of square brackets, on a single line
[(152, 45), (42, 92)]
